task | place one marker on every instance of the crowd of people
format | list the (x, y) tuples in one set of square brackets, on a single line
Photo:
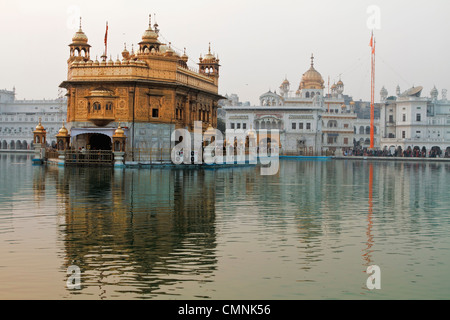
[(409, 152)]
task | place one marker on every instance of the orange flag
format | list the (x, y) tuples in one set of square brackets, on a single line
[(371, 40)]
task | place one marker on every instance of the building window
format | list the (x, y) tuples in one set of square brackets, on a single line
[(391, 118), (155, 113), (238, 126), (232, 125), (97, 106), (418, 117), (108, 106), (345, 140), (244, 126), (308, 126), (294, 126), (404, 117), (300, 125), (345, 125), (403, 134)]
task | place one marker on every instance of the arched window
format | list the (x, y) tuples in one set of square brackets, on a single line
[(367, 130), (108, 106), (307, 95), (361, 130), (97, 106), (332, 124)]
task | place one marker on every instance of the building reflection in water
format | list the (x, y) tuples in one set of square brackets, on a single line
[(154, 233), (367, 256), (137, 232)]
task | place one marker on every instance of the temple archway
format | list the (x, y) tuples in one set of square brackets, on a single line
[(98, 141)]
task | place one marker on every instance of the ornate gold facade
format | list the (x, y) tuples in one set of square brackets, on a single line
[(152, 85)]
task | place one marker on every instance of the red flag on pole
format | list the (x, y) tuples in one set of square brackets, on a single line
[(106, 33), (371, 40)]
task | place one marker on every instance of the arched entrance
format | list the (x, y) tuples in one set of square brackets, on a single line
[(98, 141)]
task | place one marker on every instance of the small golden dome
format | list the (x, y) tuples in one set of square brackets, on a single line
[(169, 52), (80, 37), (209, 58), (119, 132), (63, 131), (39, 127), (184, 57), (149, 34), (125, 53)]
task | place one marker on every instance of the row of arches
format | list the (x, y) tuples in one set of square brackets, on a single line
[(97, 107), (19, 145), (364, 130), (79, 52), (268, 124)]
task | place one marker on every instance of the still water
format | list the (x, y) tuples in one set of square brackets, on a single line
[(309, 232)]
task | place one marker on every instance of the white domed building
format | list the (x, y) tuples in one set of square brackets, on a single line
[(310, 121)]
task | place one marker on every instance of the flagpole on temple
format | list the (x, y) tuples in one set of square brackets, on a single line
[(106, 40)]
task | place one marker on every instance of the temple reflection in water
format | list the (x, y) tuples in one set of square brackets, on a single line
[(311, 230), (145, 227)]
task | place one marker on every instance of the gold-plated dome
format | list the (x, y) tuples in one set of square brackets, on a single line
[(39, 127), (184, 57), (125, 52), (312, 79), (80, 37), (209, 57), (169, 51), (149, 34), (63, 131), (119, 132)]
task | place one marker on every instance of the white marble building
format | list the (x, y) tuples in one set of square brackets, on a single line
[(19, 118), (411, 121), (310, 120)]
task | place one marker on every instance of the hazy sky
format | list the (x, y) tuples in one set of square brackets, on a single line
[(259, 42)]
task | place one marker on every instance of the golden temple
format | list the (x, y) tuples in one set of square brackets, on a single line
[(150, 92)]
